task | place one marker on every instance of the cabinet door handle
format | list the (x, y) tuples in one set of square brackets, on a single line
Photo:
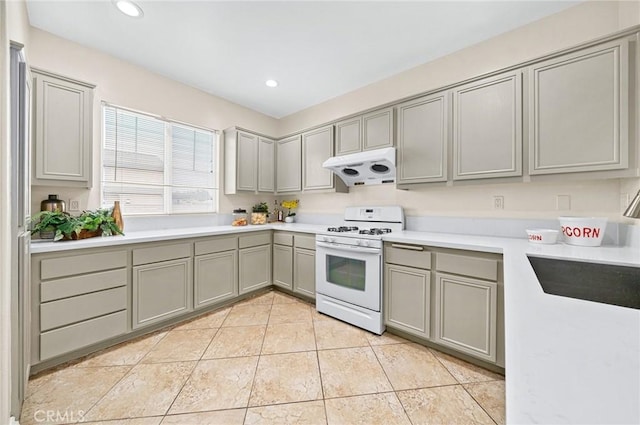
[(411, 247)]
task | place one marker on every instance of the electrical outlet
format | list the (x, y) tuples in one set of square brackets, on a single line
[(498, 202), (74, 205)]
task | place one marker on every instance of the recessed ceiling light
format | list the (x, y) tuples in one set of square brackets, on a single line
[(129, 8), (271, 83)]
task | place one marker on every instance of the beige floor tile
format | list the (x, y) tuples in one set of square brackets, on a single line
[(153, 420), (489, 395), (385, 339), (289, 338), (207, 321), (442, 405), (219, 417), (65, 392), (369, 409), (317, 316), (248, 315), (266, 298), (127, 353), (335, 334), (286, 378), (180, 346), (351, 371), (290, 313), (147, 390), (282, 298), (305, 413), (411, 366), (217, 384), (238, 341), (464, 371)]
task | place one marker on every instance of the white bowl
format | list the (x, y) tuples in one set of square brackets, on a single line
[(583, 231), (543, 236)]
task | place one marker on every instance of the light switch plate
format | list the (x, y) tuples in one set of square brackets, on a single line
[(563, 202)]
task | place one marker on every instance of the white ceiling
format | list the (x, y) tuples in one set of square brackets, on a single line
[(316, 50)]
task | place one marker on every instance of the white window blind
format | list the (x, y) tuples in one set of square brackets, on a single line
[(153, 166)]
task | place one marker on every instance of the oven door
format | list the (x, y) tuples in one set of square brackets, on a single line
[(350, 274)]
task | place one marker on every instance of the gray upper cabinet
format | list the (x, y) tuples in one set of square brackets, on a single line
[(423, 139), (373, 130), (289, 165), (487, 128), (317, 147), (266, 165), (63, 131), (349, 136), (578, 111), (249, 162), (377, 129)]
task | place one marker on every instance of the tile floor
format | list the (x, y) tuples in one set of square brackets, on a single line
[(271, 359)]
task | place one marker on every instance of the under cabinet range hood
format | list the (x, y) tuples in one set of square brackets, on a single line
[(369, 167)]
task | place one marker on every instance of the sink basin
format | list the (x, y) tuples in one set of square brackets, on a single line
[(602, 283)]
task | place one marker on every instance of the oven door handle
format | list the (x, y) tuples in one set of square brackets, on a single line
[(349, 248)]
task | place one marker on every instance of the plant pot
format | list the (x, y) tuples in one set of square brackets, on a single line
[(288, 219), (48, 233), (84, 234)]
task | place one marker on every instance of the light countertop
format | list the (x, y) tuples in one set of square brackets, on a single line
[(567, 360)]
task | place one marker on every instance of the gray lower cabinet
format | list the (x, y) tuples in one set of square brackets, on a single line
[(466, 315), (215, 278), (304, 272), (162, 283), (63, 139), (423, 139), (579, 110), (451, 298), (487, 128), (254, 261), (215, 270), (407, 288), (77, 300), (407, 299), (283, 266)]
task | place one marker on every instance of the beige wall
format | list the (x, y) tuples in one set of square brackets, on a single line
[(128, 85), (565, 29)]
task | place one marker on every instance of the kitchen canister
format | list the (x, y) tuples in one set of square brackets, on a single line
[(583, 231), (542, 236), (52, 203)]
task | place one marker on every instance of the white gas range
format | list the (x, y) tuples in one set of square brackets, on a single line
[(349, 265)]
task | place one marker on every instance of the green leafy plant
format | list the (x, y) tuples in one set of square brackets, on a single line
[(66, 225), (262, 207)]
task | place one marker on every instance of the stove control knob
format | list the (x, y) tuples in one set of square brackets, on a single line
[(365, 243)]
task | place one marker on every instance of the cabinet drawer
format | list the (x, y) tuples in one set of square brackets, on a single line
[(75, 309), (407, 255), (306, 242), (81, 334), (161, 253), (216, 245), (483, 268), (71, 286), (280, 238), (247, 241), (80, 264)]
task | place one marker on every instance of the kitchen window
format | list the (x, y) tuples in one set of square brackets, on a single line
[(155, 166)]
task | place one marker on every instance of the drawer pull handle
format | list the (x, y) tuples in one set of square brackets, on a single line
[(411, 247)]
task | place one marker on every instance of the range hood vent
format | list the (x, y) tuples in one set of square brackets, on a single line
[(369, 167)]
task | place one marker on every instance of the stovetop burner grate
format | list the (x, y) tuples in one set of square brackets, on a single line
[(375, 231), (342, 229)]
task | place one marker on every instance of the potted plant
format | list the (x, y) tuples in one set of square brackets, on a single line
[(290, 205), (67, 227), (259, 213)]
